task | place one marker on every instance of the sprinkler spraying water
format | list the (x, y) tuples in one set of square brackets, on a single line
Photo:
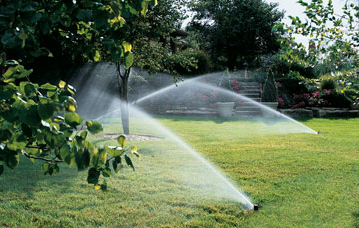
[(176, 161)]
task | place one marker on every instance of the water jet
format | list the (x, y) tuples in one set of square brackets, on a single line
[(183, 165)]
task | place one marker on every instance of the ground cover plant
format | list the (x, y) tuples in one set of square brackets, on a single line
[(299, 180)]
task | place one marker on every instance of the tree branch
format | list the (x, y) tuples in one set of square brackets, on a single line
[(39, 158)]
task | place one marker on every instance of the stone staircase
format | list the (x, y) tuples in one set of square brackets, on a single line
[(252, 90)]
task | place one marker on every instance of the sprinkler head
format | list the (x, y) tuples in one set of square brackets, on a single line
[(255, 207), (318, 132)]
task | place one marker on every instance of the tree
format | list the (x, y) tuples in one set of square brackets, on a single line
[(270, 90), (333, 41), (333, 38), (235, 31), (147, 34), (38, 121)]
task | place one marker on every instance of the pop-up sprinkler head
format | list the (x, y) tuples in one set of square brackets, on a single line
[(255, 207), (318, 132)]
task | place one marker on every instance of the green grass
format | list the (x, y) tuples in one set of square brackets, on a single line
[(299, 180)]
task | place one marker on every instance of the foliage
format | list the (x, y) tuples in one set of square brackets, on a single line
[(270, 90), (40, 123), (332, 37), (69, 32), (328, 84), (191, 62), (322, 98), (235, 31), (292, 58)]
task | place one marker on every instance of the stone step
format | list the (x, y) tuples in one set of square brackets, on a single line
[(249, 84), (247, 108), (254, 99), (247, 113), (249, 92)]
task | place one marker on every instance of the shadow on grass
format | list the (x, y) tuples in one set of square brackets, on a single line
[(28, 178), (356, 219)]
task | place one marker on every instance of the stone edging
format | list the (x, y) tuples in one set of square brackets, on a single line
[(320, 113)]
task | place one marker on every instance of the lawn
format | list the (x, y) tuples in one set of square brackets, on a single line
[(299, 180)]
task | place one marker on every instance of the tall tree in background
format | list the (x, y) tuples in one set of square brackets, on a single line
[(234, 31), (148, 34)]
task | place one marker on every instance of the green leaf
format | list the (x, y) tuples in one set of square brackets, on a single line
[(10, 40), (134, 149), (55, 139), (99, 157), (122, 140), (84, 15), (7, 91), (65, 151), (27, 88), (94, 127), (118, 159), (62, 84), (83, 134), (127, 46), (31, 116), (106, 172), (97, 56), (114, 166), (45, 167), (82, 159), (48, 86), (129, 162), (104, 185), (71, 89), (73, 119), (46, 109), (23, 36), (17, 142), (128, 59), (102, 156), (9, 72), (114, 151), (11, 158), (93, 176)]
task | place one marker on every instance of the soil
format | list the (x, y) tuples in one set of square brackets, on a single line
[(129, 137)]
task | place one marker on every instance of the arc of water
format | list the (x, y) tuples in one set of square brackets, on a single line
[(309, 130), (240, 196)]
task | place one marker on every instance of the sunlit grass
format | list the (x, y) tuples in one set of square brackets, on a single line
[(299, 180)]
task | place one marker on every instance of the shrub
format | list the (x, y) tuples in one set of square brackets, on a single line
[(270, 90), (201, 59), (328, 84)]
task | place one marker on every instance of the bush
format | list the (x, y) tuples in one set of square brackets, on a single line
[(328, 84), (202, 60), (338, 100), (270, 90)]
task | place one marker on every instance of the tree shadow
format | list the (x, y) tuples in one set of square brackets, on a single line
[(356, 219), (28, 178)]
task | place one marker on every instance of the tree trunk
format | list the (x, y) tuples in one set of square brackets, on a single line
[(123, 89)]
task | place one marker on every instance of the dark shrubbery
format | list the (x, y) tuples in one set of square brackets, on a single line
[(328, 84), (202, 59), (270, 90)]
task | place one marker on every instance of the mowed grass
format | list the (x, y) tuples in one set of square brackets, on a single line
[(299, 180)]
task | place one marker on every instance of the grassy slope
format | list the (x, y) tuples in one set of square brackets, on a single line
[(299, 180)]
